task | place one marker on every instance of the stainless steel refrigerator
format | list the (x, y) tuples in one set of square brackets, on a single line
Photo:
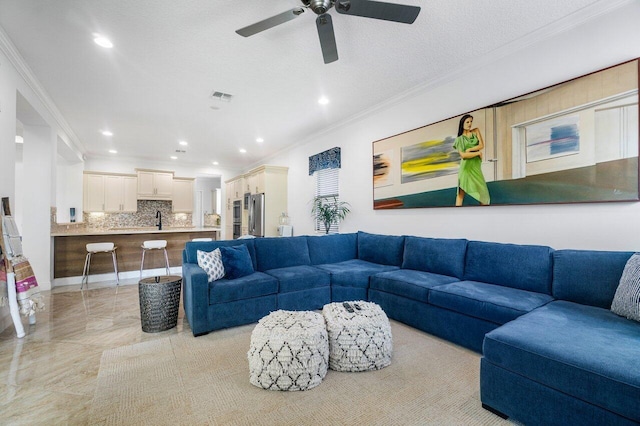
[(256, 215)]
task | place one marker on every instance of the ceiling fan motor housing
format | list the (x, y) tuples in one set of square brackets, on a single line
[(319, 6)]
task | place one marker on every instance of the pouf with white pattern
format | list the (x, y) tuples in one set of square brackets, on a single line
[(289, 351), (359, 336)]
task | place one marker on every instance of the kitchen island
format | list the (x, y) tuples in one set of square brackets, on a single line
[(69, 248)]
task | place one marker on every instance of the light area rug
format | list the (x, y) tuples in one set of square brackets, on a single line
[(182, 380)]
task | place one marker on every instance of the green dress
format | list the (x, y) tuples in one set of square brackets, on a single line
[(470, 178)]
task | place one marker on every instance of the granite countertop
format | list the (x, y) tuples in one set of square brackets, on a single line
[(133, 230)]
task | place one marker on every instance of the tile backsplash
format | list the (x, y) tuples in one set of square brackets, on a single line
[(144, 217)]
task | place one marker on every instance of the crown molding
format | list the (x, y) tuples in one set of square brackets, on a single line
[(24, 71)]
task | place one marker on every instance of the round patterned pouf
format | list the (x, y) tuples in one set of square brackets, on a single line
[(359, 336), (289, 351)]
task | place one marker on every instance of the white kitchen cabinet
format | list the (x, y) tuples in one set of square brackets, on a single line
[(110, 193), (120, 193), (238, 190), (93, 193), (229, 196), (182, 201), (255, 182), (155, 185), (268, 180)]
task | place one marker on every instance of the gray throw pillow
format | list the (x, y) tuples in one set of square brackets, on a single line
[(626, 301)]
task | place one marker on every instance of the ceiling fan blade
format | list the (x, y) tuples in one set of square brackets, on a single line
[(270, 22), (378, 10), (327, 38)]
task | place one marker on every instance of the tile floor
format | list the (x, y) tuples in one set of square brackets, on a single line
[(49, 376)]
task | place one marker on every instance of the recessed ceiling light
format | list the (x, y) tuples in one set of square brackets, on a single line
[(19, 139), (102, 41), (107, 133), (259, 140), (173, 157), (215, 163), (242, 150), (183, 143), (323, 100), (113, 151)]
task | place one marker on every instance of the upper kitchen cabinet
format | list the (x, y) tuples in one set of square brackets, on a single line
[(256, 181), (182, 201), (106, 192), (155, 185), (93, 193), (235, 188)]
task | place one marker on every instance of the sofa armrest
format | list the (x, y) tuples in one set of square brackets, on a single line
[(195, 297)]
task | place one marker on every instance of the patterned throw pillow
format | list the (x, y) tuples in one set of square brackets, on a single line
[(626, 301), (211, 262)]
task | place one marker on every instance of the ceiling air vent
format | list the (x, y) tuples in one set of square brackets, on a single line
[(222, 97)]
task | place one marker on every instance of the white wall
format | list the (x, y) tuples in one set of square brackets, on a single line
[(40, 180), (597, 44), (68, 189)]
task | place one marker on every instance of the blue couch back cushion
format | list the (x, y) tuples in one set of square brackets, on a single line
[(236, 261), (588, 277), (190, 252), (332, 248), (526, 267), (381, 249), (274, 253), (437, 255)]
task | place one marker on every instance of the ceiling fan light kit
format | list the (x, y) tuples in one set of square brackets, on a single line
[(365, 8)]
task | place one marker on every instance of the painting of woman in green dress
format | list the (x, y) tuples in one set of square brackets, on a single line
[(469, 145)]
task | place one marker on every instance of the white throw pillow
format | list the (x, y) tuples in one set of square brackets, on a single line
[(626, 301), (211, 262)]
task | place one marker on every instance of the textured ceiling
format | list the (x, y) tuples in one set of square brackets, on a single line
[(153, 88)]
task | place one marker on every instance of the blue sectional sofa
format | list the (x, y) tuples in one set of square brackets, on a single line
[(553, 352)]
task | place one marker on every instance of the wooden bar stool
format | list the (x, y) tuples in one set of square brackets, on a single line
[(93, 248), (155, 245)]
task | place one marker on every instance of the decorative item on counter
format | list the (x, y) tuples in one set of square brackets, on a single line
[(72, 214), (284, 219)]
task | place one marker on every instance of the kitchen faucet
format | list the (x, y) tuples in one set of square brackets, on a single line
[(159, 217)]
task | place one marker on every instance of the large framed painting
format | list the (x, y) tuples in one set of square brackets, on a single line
[(575, 142)]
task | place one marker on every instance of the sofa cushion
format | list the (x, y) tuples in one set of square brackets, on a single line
[(626, 301), (353, 273), (382, 249), (254, 285), (274, 253), (409, 283), (488, 302), (588, 277), (190, 252), (437, 255), (237, 261), (587, 352), (295, 278), (332, 248), (525, 267), (211, 262)]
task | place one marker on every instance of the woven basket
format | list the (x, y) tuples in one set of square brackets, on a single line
[(159, 302)]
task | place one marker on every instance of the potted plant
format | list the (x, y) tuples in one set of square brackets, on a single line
[(329, 210)]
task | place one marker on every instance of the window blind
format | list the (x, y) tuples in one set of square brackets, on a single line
[(327, 181)]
